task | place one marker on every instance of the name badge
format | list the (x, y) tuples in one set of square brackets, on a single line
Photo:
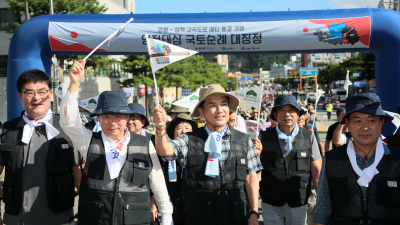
[(392, 183), (64, 146)]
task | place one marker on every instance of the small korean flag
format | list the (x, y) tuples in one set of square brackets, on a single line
[(64, 146), (141, 164), (303, 154), (243, 161), (392, 183)]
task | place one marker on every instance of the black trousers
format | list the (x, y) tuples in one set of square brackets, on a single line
[(329, 115)]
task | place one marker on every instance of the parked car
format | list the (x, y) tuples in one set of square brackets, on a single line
[(295, 94), (311, 98), (302, 96), (332, 98), (341, 93)]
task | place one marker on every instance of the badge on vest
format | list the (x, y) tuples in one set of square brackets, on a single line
[(303, 154), (64, 146), (392, 183), (243, 161), (141, 164)]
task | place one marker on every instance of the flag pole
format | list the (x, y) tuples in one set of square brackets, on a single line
[(98, 46), (259, 110), (154, 76), (396, 130), (237, 109), (347, 85)]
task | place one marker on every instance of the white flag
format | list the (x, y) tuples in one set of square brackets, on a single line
[(162, 53), (61, 90), (89, 104), (119, 31), (347, 82), (396, 118), (251, 96), (188, 102)]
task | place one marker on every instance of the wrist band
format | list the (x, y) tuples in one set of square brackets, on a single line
[(161, 129), (161, 135)]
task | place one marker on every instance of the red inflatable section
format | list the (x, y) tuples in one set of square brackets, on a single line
[(57, 45), (361, 24)]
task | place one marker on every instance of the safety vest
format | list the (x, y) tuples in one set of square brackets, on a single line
[(123, 200), (60, 158), (381, 203), (329, 108), (285, 180), (219, 200)]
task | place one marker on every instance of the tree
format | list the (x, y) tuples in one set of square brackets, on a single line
[(41, 7)]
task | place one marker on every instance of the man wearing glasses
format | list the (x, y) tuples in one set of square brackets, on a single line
[(39, 159)]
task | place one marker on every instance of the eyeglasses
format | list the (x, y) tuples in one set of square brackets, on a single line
[(41, 93)]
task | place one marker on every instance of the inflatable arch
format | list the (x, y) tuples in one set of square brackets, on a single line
[(321, 31)]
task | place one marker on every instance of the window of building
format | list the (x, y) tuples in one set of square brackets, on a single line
[(6, 17), (3, 66)]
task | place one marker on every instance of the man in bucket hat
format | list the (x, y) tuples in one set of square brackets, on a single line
[(121, 166), (359, 180), (138, 120), (290, 158), (219, 163)]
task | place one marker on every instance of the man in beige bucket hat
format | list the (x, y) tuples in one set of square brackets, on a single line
[(219, 163)]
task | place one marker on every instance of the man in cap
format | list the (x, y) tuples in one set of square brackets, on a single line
[(219, 163), (40, 161), (290, 157), (359, 180), (121, 166), (254, 115), (175, 110), (138, 120)]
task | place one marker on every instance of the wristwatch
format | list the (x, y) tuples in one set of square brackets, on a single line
[(255, 212)]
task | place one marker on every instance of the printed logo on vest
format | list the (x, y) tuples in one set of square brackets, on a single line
[(303, 154), (64, 146), (243, 161), (392, 183), (141, 164)]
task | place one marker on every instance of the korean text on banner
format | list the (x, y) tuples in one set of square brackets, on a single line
[(251, 127), (162, 53), (89, 104), (251, 96), (188, 102)]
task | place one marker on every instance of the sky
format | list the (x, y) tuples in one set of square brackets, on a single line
[(200, 6)]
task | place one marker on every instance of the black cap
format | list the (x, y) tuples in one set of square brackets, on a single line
[(365, 103)]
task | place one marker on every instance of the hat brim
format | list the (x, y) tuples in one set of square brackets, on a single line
[(375, 112), (147, 123), (233, 102), (111, 111), (175, 122), (301, 112)]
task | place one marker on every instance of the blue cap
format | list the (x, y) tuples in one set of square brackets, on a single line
[(282, 100), (365, 103), (111, 103), (137, 108)]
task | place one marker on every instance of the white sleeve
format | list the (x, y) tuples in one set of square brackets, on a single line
[(159, 188), (72, 125), (344, 140)]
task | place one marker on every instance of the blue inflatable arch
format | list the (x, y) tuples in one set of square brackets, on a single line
[(31, 44)]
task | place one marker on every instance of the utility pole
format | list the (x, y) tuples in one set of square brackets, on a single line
[(27, 10), (51, 7)]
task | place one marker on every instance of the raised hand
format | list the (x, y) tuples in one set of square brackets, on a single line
[(77, 71), (159, 117)]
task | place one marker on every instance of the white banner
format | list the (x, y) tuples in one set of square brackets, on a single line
[(61, 90), (286, 35), (251, 96), (89, 104), (162, 53), (251, 127), (396, 118), (188, 102)]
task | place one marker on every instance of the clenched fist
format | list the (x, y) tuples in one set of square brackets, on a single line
[(160, 117), (77, 71), (257, 144)]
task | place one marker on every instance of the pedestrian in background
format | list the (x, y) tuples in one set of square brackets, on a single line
[(329, 108)]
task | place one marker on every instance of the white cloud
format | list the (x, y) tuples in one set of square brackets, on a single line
[(357, 3)]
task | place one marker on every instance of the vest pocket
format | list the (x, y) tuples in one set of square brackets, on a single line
[(303, 160), (389, 192), (6, 149), (239, 211), (138, 172), (338, 191), (199, 210), (198, 167), (65, 155), (241, 168), (90, 212), (97, 165), (135, 213)]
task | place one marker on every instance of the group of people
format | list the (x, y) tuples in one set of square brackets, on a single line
[(191, 175)]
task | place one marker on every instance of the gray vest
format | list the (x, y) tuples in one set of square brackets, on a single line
[(219, 200), (60, 159), (285, 180), (123, 200)]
